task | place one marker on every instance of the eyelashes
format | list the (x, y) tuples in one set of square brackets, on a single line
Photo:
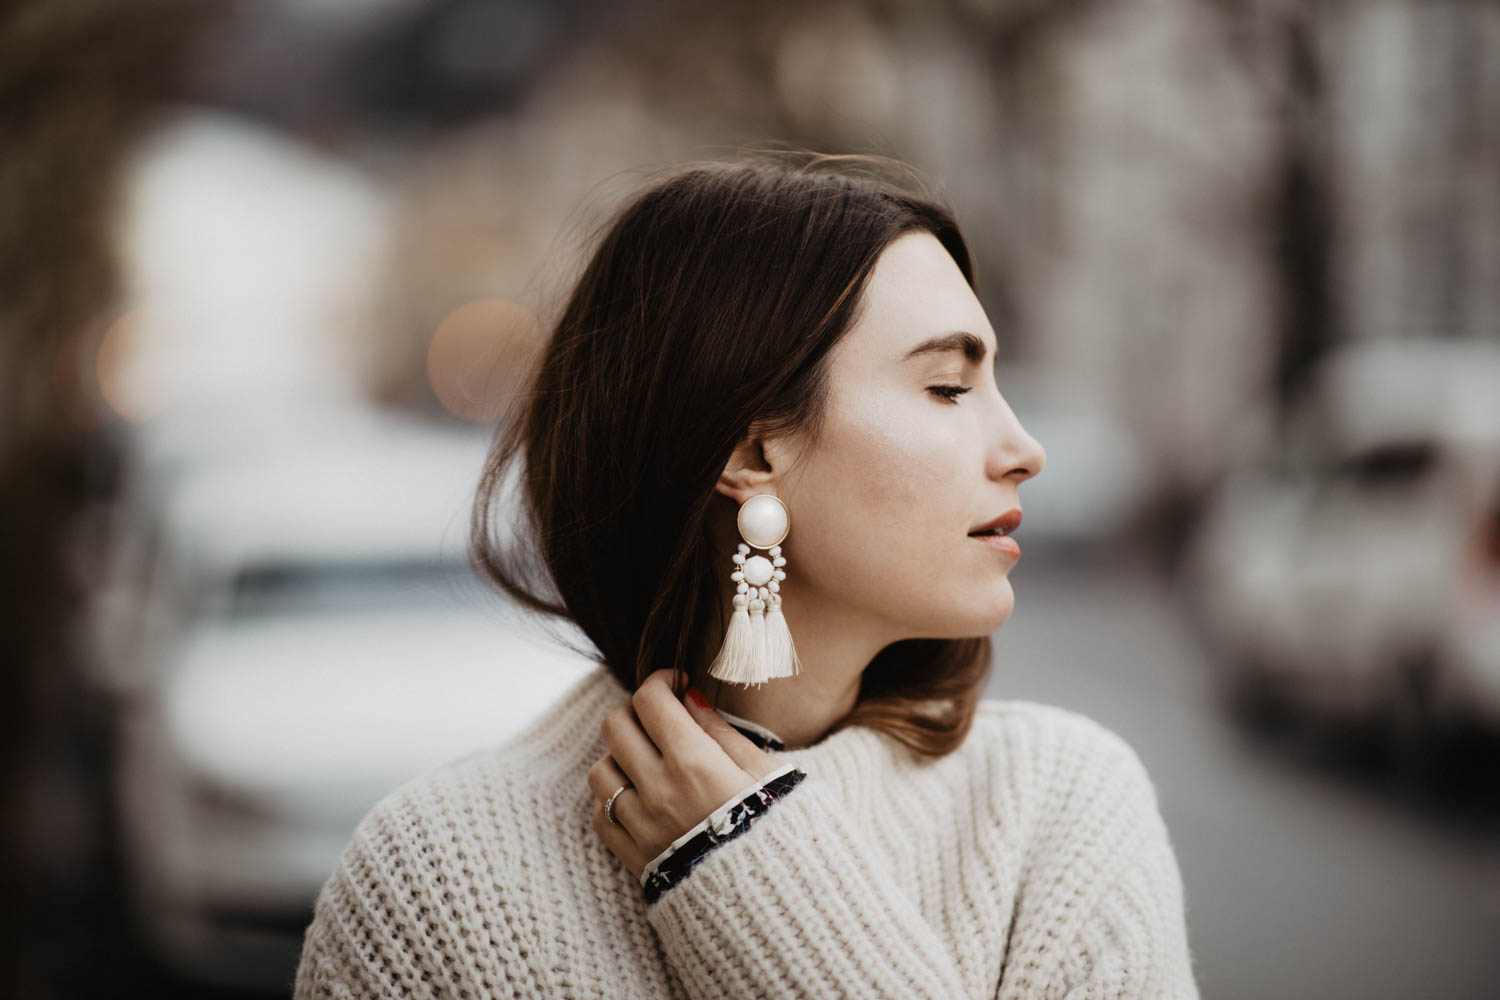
[(948, 392)]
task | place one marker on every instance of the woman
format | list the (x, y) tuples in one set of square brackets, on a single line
[(797, 338)]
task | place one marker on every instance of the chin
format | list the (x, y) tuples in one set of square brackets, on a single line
[(983, 610), (998, 611), (998, 620)]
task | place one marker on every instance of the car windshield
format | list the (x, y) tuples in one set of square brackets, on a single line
[(314, 587)]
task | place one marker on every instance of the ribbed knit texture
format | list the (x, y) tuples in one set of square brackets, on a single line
[(1032, 862)]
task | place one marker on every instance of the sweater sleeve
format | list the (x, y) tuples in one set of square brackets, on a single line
[(1102, 913), (800, 905)]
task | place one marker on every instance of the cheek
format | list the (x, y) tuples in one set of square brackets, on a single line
[(880, 513)]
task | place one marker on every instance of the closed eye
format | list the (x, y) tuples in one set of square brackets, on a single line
[(948, 392)]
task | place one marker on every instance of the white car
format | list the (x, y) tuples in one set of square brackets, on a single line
[(318, 639), (1349, 565)]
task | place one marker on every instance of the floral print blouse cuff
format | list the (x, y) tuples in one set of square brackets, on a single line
[(724, 823)]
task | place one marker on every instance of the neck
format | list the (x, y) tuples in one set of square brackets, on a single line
[(834, 650)]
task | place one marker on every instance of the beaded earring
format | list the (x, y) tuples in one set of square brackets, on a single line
[(758, 645)]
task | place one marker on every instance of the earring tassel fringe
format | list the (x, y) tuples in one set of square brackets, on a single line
[(780, 651), (739, 658), (757, 644)]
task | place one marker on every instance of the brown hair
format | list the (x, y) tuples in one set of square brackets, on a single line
[(710, 304)]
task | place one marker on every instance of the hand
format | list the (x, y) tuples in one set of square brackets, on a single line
[(682, 762)]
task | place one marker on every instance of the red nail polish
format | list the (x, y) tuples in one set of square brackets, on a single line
[(697, 696)]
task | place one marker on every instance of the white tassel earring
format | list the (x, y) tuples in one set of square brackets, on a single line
[(758, 645)]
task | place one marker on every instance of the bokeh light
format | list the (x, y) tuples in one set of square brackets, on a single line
[(134, 388), (476, 358)]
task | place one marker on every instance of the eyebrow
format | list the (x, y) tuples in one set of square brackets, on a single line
[(960, 340)]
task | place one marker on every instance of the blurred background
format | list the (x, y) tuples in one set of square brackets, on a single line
[(267, 271)]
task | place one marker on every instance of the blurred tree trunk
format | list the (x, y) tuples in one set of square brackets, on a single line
[(79, 81), (1303, 228)]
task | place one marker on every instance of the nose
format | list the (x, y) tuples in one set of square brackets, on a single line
[(1015, 454)]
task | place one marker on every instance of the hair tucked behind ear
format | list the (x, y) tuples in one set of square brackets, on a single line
[(711, 302)]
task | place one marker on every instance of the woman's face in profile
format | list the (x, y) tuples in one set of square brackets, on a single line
[(917, 451)]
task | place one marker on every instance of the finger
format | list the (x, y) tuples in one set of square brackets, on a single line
[(605, 779), (605, 776), (617, 838), (666, 721), (629, 745), (751, 758), (627, 810)]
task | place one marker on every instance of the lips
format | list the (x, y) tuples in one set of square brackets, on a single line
[(1002, 525)]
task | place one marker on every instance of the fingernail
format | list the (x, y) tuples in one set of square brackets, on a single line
[(698, 698)]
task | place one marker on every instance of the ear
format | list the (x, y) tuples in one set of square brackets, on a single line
[(755, 466)]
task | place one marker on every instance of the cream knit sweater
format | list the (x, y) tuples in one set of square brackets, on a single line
[(1032, 862)]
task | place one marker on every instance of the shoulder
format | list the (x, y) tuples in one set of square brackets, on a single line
[(1102, 905), (418, 808), (441, 855), (1061, 735), (525, 781), (480, 812), (491, 780), (1064, 760)]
